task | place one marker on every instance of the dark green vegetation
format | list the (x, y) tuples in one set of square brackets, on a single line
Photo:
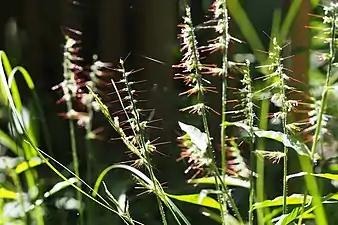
[(232, 123)]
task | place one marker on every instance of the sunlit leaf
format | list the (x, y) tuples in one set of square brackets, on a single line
[(322, 175), (288, 141), (327, 176), (4, 193), (234, 181), (196, 199), (27, 165), (59, 186), (288, 218), (294, 214), (290, 200), (197, 137), (237, 124)]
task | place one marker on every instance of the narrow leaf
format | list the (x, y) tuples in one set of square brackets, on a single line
[(291, 200), (288, 141), (59, 186), (4, 193), (27, 165), (234, 181), (248, 30), (329, 176), (288, 218), (9, 143), (289, 19), (197, 137), (195, 199)]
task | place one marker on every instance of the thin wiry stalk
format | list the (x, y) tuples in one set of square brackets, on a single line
[(332, 53), (141, 139), (69, 78), (260, 189), (75, 157), (302, 209), (285, 149), (249, 114), (280, 100), (89, 148), (226, 40)]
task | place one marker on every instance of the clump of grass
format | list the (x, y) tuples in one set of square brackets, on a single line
[(197, 145), (201, 153), (132, 130)]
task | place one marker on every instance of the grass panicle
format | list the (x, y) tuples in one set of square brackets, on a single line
[(71, 90)]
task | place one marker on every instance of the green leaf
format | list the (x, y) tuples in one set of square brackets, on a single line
[(248, 30), (27, 165), (234, 181), (9, 143), (288, 141), (7, 69), (326, 175), (322, 175), (197, 137), (238, 124), (294, 199), (294, 214), (59, 186), (290, 17), (196, 199), (288, 218), (4, 193), (147, 181)]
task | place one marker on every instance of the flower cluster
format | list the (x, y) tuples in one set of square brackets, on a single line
[(137, 141), (236, 164), (77, 80), (194, 145), (278, 86), (192, 68)]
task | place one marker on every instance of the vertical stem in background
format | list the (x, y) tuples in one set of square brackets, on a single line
[(89, 143), (225, 63), (249, 117), (70, 80), (285, 149), (224, 87), (327, 83), (75, 157), (263, 125)]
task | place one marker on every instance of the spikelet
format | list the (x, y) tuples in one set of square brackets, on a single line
[(130, 121)]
